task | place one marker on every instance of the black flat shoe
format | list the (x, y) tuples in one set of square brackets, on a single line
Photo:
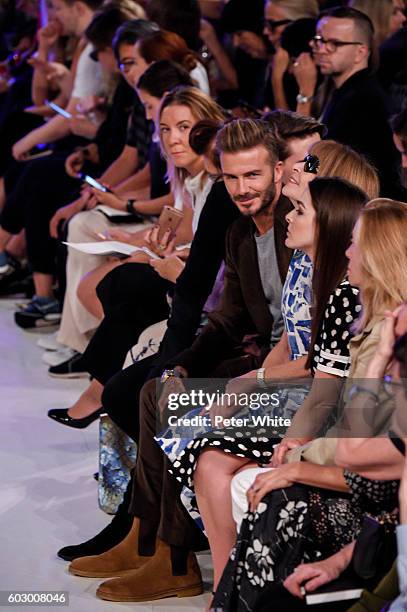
[(61, 415)]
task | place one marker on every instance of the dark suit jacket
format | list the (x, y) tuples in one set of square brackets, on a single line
[(357, 115), (243, 309)]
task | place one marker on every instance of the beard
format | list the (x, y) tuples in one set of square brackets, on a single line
[(266, 200)]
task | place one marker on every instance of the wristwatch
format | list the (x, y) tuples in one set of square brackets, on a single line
[(130, 207), (171, 373), (260, 377), (301, 99)]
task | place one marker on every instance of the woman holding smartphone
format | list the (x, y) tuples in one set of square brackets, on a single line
[(139, 292)]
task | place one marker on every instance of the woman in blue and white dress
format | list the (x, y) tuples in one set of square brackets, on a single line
[(229, 449)]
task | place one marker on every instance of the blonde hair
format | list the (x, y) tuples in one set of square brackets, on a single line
[(297, 9), (339, 160), (201, 106), (379, 12), (383, 247)]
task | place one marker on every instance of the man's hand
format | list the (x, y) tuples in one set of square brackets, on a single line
[(171, 385), (278, 478), (64, 214)]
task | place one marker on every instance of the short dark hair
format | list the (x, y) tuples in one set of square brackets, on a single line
[(130, 32), (399, 126), (362, 22), (293, 125), (243, 134), (163, 76), (101, 30)]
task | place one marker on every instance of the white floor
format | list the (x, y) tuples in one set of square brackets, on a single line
[(48, 497)]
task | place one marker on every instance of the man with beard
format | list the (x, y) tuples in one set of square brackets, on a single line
[(155, 560)]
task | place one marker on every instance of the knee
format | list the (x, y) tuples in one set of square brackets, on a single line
[(206, 467), (84, 225), (84, 292)]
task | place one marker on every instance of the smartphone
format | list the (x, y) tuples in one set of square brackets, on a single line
[(94, 183), (58, 109), (169, 219), (36, 153)]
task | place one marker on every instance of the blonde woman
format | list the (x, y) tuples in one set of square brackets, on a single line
[(136, 282), (378, 266), (387, 16)]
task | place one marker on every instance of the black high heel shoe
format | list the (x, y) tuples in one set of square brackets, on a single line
[(61, 416)]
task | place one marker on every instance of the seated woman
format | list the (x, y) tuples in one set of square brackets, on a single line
[(296, 522), (179, 112), (378, 458), (329, 207)]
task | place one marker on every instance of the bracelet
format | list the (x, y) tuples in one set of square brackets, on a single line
[(130, 207), (357, 389), (260, 377), (301, 99)]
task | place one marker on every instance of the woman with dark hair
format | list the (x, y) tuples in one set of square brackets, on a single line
[(167, 45), (302, 511), (329, 208)]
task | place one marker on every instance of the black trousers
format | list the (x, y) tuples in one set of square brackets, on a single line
[(41, 189), (133, 297)]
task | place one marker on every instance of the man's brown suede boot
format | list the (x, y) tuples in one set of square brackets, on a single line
[(118, 561), (156, 579)]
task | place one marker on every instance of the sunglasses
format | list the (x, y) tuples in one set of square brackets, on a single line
[(273, 24), (311, 164)]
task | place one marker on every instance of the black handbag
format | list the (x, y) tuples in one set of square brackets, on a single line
[(376, 546)]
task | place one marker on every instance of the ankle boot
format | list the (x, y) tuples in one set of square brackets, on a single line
[(118, 561), (158, 578), (111, 535)]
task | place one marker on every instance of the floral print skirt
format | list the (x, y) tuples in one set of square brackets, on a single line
[(295, 525)]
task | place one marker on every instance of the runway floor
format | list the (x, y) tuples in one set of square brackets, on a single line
[(48, 497)]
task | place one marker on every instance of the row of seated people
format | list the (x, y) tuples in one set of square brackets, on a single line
[(311, 266)]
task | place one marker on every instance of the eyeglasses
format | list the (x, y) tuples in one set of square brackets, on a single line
[(330, 44), (126, 65), (311, 164), (273, 24)]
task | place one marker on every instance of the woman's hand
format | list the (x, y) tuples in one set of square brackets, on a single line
[(282, 449), (384, 352), (278, 478), (168, 267), (281, 60), (62, 215), (49, 34), (305, 72), (108, 199), (311, 576), (115, 233), (163, 246), (74, 163)]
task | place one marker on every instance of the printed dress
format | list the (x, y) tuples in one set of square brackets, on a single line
[(301, 524), (184, 445)]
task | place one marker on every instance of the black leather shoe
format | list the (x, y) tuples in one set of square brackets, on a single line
[(112, 534), (61, 415)]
